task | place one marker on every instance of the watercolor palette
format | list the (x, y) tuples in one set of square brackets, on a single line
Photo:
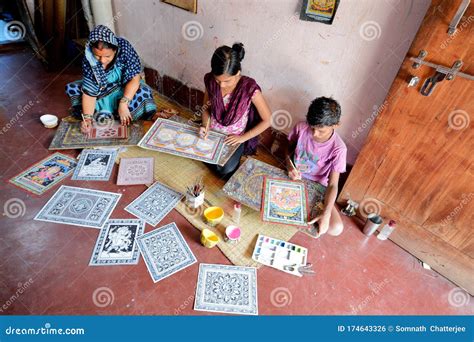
[(278, 254)]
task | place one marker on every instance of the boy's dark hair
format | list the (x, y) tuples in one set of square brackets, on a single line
[(324, 111)]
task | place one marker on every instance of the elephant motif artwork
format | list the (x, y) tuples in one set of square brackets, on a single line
[(79, 207)]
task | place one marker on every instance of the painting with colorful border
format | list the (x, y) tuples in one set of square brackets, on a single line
[(45, 174), (284, 202), (322, 11), (183, 140)]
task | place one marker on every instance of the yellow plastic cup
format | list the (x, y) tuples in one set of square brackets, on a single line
[(214, 215), (208, 238)]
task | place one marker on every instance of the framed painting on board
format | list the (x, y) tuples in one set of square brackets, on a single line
[(45, 174), (246, 184), (227, 150), (188, 5), (284, 201), (68, 136), (322, 11), (183, 140)]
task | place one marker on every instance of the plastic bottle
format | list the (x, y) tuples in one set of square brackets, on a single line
[(237, 212), (387, 230)]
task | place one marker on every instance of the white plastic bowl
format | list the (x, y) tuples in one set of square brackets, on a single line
[(49, 120)]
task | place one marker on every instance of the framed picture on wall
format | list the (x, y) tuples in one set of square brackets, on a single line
[(322, 11), (188, 5)]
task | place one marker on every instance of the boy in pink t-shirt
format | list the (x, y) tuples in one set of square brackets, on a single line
[(319, 154)]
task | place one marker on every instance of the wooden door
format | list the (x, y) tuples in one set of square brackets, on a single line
[(417, 164)]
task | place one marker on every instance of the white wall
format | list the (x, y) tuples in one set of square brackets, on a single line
[(294, 61)]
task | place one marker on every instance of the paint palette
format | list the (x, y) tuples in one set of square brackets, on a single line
[(279, 254)]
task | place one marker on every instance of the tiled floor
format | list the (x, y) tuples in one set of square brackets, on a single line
[(44, 266)]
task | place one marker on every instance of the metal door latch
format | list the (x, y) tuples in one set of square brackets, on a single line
[(431, 82)]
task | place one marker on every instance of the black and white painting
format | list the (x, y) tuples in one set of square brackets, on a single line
[(116, 244), (95, 165), (79, 207)]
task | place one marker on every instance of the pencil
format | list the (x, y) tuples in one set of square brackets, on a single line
[(293, 165)]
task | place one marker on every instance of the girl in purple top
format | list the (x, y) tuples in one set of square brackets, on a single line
[(233, 105), (319, 154)]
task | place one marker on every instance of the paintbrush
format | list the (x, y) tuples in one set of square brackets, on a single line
[(207, 127), (292, 165)]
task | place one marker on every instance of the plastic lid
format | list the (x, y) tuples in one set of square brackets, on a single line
[(237, 205)]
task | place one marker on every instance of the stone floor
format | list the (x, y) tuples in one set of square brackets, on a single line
[(44, 266)]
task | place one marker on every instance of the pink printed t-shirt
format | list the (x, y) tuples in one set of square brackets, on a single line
[(316, 160)]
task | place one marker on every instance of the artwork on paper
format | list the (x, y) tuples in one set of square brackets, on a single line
[(69, 136), (285, 202), (227, 150), (155, 203), (133, 171), (183, 140), (45, 174), (108, 131), (116, 244), (79, 207), (227, 289), (246, 184), (95, 165), (165, 251), (322, 11)]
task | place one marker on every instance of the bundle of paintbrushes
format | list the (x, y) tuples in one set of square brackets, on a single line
[(196, 189), (195, 193)]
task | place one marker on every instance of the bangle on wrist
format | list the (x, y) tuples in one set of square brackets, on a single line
[(87, 117), (125, 100)]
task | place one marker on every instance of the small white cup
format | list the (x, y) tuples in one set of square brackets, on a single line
[(49, 120)]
